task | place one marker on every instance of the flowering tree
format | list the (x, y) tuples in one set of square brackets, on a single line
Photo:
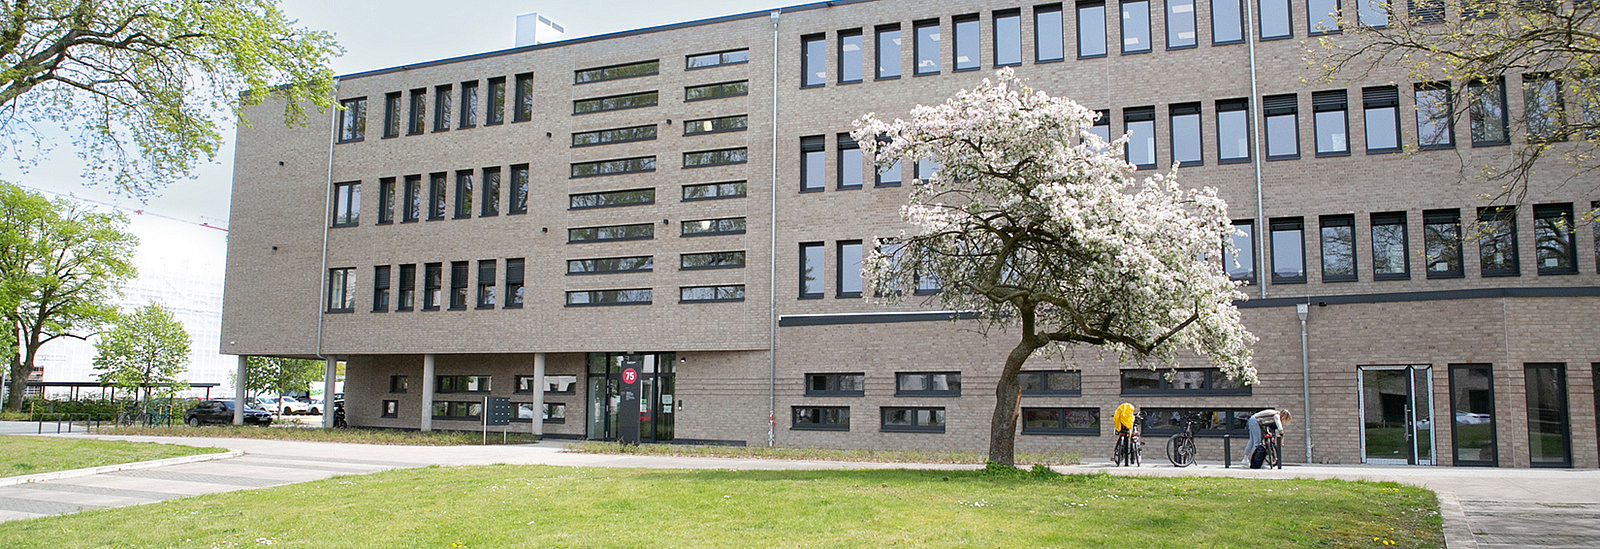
[(1055, 240)]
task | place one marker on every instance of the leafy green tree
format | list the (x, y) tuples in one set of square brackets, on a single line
[(61, 264), (144, 84), (143, 349), (280, 375)]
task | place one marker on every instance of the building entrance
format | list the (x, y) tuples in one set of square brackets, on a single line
[(656, 386), (1396, 415)]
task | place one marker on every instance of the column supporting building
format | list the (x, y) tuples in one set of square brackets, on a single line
[(330, 372), (538, 394), (427, 393), (240, 381)]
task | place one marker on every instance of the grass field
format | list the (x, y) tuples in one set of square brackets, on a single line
[(540, 506), (23, 455), (825, 454), (358, 436)]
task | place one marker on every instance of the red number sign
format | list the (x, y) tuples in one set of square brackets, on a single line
[(629, 376)]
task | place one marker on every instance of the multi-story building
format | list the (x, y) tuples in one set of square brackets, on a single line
[(684, 202)]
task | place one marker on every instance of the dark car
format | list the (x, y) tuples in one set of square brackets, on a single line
[(221, 411)]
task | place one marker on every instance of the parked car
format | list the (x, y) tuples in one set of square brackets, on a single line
[(221, 411), (315, 406), (286, 405), (1469, 418)]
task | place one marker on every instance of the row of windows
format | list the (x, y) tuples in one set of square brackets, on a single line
[(553, 384), (342, 286), (630, 134), (1135, 382), (646, 231), (642, 164), (851, 166), (847, 272), (645, 263), (717, 293), (554, 412)]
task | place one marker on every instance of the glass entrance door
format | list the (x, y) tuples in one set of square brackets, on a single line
[(1396, 414), (1549, 433), (1472, 426), (656, 402)]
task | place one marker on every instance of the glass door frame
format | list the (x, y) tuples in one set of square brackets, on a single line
[(664, 369), (1494, 421), (1560, 377), (1410, 372)]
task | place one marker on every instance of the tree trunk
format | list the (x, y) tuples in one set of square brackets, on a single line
[(1003, 426), (21, 366)]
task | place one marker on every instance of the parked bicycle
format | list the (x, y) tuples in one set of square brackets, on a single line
[(1128, 444), (1273, 442), (1180, 448)]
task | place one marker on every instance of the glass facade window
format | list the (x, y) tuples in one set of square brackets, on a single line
[(458, 285), (1497, 241), (399, 384), (1542, 107), (417, 120), (1391, 250), (616, 135), (1061, 421), (888, 51), (522, 99), (1372, 13), (495, 112), (1048, 34), (716, 91), (1338, 248), (736, 123), (1181, 381), (713, 191), (391, 115), (813, 163), (386, 200), (1322, 17), (1283, 126), (1427, 11), (813, 61), (720, 157), (463, 194), (617, 72), (1288, 251), (1381, 113), (712, 227), (1091, 28), (518, 198), (851, 169), (1240, 261), (820, 418), (926, 47), (609, 265), (341, 290), (346, 204), (1007, 38), (1275, 19), (462, 384), (442, 105), (711, 260), (487, 283), (1061, 383), (432, 285), (943, 384), (491, 193), (1135, 26), (1233, 131), (717, 59), (1554, 240), (1331, 119), (711, 294), (610, 199), (514, 283), (811, 266), (1435, 116), (853, 384), (436, 196), (405, 296), (1549, 425), (380, 289), (469, 104), (1180, 24), (616, 102), (1472, 402), (1185, 128), (1140, 124), (911, 420), (1227, 21), (849, 274), (1102, 125), (412, 205), (352, 120), (850, 61), (586, 298), (1441, 241), (964, 52), (613, 167), (890, 176), (638, 231), (1487, 111)]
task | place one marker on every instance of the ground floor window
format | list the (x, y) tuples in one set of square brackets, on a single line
[(391, 408), (1472, 408), (912, 420), (1061, 421), (554, 412), (1549, 437), (457, 410), (1208, 422), (821, 418)]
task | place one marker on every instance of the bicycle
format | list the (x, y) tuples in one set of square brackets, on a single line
[(1126, 451), (1180, 448), (1274, 444)]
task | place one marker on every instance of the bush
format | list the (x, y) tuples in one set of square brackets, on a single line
[(103, 409)]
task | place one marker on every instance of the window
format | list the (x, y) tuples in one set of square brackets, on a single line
[(522, 98), (486, 283), (717, 59), (1050, 383), (462, 384), (607, 265), (419, 112), (1140, 123), (346, 204), (1227, 21), (1233, 131), (613, 167), (926, 47), (964, 51), (469, 104), (463, 194), (1594, 222), (813, 61), (1332, 124), (1061, 421), (615, 102), (1382, 117), (1487, 111), (1322, 17), (703, 126), (611, 199), (713, 191), (943, 384), (391, 115), (341, 290), (1275, 20), (589, 298), (616, 135), (1180, 24), (553, 385), (617, 72), (1372, 13), (639, 231), (1240, 262), (1473, 403), (441, 108), (711, 294), (1555, 243), (1283, 126), (491, 193), (1008, 38), (352, 120), (912, 420), (405, 298), (554, 412), (1181, 381), (519, 190), (1541, 104), (1288, 251), (926, 169), (386, 201), (380, 289), (1048, 30), (1497, 242), (888, 177), (391, 408), (472, 410), (851, 64), (1391, 247), (496, 113), (436, 196), (720, 157), (1135, 26), (716, 91), (820, 418), (1091, 28), (811, 264), (412, 208), (832, 385), (458, 285), (432, 282), (1435, 116), (514, 297), (849, 274), (812, 163), (1427, 11), (888, 52), (1339, 248), (399, 384), (1185, 128), (713, 227), (850, 167), (1441, 240), (711, 260)]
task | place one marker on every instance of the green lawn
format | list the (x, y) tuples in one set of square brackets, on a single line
[(317, 434), (823, 454), (21, 455), (541, 506)]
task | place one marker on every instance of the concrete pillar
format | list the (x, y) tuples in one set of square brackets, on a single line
[(427, 393), (538, 394), (330, 370), (239, 383)]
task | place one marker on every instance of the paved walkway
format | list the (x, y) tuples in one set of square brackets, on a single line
[(1487, 508)]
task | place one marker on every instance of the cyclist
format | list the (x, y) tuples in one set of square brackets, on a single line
[(1274, 419)]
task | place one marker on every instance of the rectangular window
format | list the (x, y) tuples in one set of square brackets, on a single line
[(850, 168), (462, 384), (1227, 21), (522, 98), (1275, 19), (964, 52), (1372, 13), (1542, 107), (615, 102), (491, 193), (711, 294), (820, 418), (1288, 251), (611, 199), (926, 169), (717, 59), (833, 385), (736, 123), (399, 384), (711, 260), (592, 298), (463, 194), (405, 297), (347, 204), (813, 61), (1497, 242), (616, 135), (851, 62), (613, 167), (341, 290), (1283, 126), (1473, 403), (412, 207), (1185, 128), (380, 289), (1180, 24), (888, 177), (514, 285), (496, 112), (940, 384), (441, 108), (1554, 241), (469, 104), (436, 198), (1339, 248), (1391, 247), (1135, 26), (1435, 116), (811, 265), (608, 233), (1061, 421), (419, 112), (553, 385), (1240, 262), (432, 285), (617, 72), (1050, 383), (1091, 28), (1427, 11), (812, 163), (911, 420), (519, 190), (458, 285), (1049, 42), (447, 410), (610, 265), (849, 274), (1181, 381), (391, 408), (720, 157), (1487, 110), (1007, 38), (1140, 123), (1322, 17), (486, 283), (1382, 116), (1233, 131), (1441, 240), (352, 120), (391, 115), (1332, 123), (386, 200), (888, 51), (716, 91), (713, 227), (713, 191), (926, 47)]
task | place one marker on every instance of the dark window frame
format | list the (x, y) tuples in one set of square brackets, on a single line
[(845, 143), (917, 27), (432, 285), (517, 190), (392, 117), (391, 409), (1194, 23), (995, 19), (648, 265), (1494, 420), (380, 288), (685, 255), (813, 144), (494, 112), (1443, 217), (743, 126), (340, 296), (822, 286), (714, 223), (952, 378), (469, 105), (486, 298), (442, 105), (716, 290), (598, 164), (730, 156), (405, 296), (459, 282), (1061, 33), (1392, 218), (1327, 101), (880, 34), (1499, 213), (1261, 21), (515, 284), (688, 90), (489, 203), (399, 384), (355, 124), (602, 102), (1564, 214), (813, 44), (571, 240), (1284, 107), (819, 412), (1149, 27), (522, 97), (1232, 106), (1176, 110), (838, 271), (386, 196), (1243, 24), (1044, 381), (417, 117), (1348, 222), (1164, 385), (578, 79), (1474, 92), (594, 293), (916, 426), (839, 53), (1140, 115), (718, 185), (1377, 98), (411, 207), (956, 42), (1105, 29), (600, 136), (723, 59), (1061, 429), (830, 382), (1449, 114), (463, 194), (346, 204), (1287, 224), (650, 201)]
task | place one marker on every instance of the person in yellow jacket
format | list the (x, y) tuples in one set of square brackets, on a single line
[(1122, 419)]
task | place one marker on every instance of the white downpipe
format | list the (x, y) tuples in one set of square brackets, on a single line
[(327, 221), (1262, 277), (772, 256), (1302, 310)]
